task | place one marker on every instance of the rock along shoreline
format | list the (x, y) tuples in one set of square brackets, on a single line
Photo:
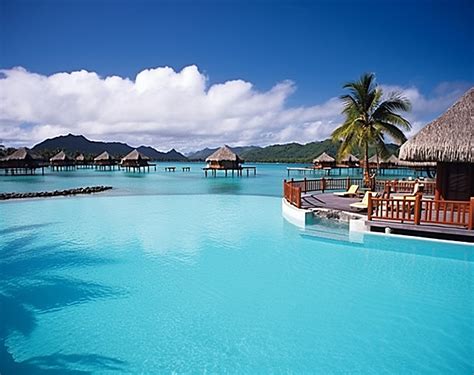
[(55, 193)]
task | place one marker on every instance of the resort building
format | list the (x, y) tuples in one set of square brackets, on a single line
[(135, 161), (324, 161), (440, 208), (224, 159), (448, 141), (21, 162), (82, 162), (105, 162), (349, 161), (61, 161)]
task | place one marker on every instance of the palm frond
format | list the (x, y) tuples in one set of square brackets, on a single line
[(392, 130)]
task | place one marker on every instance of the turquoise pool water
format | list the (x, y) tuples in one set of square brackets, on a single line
[(219, 282)]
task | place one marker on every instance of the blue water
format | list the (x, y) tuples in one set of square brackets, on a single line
[(267, 182), (212, 279)]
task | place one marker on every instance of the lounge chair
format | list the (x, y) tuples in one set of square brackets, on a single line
[(365, 201), (351, 192), (412, 196)]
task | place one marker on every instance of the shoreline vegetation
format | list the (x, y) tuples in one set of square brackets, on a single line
[(55, 193)]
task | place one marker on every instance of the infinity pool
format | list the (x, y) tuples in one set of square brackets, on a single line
[(217, 283)]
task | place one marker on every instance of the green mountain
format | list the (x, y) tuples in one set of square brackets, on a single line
[(286, 153), (76, 144)]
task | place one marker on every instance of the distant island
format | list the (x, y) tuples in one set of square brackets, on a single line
[(278, 153)]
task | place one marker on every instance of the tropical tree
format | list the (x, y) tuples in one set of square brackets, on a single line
[(369, 118)]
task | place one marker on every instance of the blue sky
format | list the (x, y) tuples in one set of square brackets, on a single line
[(426, 46)]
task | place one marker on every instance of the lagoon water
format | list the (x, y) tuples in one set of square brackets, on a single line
[(175, 273)]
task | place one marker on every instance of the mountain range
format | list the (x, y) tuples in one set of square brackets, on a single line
[(281, 153), (75, 144)]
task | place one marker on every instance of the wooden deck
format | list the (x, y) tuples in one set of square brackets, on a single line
[(327, 200), (438, 231), (415, 215)]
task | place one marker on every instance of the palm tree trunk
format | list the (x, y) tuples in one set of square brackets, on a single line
[(366, 169)]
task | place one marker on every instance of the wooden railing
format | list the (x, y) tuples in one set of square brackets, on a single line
[(396, 186), (292, 189), (422, 211), (292, 193)]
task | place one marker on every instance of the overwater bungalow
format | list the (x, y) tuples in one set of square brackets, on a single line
[(82, 162), (21, 162), (105, 162), (61, 161), (324, 161), (224, 159), (441, 208), (349, 161), (448, 141), (136, 161)]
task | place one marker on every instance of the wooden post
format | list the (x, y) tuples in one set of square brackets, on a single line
[(470, 225), (417, 217), (323, 184), (305, 187), (298, 197), (348, 183), (369, 208)]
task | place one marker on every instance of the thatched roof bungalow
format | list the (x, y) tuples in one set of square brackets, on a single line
[(61, 161), (448, 141), (375, 161), (224, 158), (82, 162), (350, 161), (324, 161), (134, 159), (22, 161), (105, 161)]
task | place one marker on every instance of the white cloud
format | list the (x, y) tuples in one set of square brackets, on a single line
[(165, 109)]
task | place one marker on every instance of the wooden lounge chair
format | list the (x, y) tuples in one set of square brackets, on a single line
[(412, 196), (351, 192), (361, 206)]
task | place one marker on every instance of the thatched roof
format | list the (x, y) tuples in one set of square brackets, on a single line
[(224, 154), (135, 155), (449, 138), (80, 157), (60, 156), (324, 158), (375, 159), (349, 157), (104, 156), (21, 154), (392, 159), (416, 164)]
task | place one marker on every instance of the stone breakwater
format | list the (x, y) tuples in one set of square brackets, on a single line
[(56, 193)]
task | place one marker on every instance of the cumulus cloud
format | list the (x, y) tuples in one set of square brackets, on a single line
[(167, 108)]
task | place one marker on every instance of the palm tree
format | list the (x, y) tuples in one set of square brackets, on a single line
[(369, 119)]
